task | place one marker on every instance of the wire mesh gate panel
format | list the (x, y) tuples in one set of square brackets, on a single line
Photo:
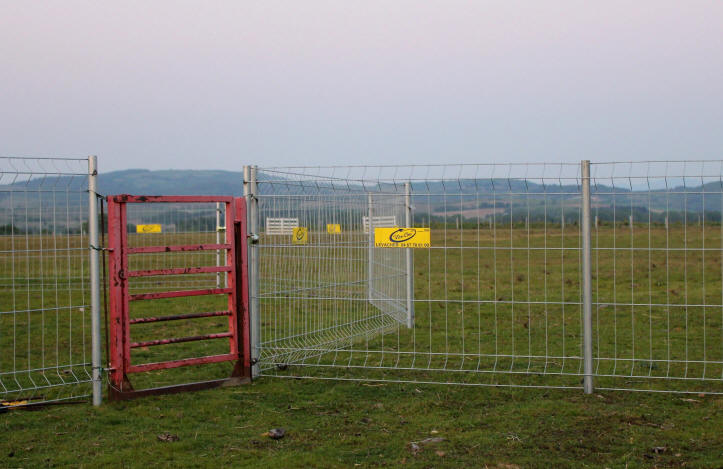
[(169, 279), (45, 322), (498, 298), (317, 294)]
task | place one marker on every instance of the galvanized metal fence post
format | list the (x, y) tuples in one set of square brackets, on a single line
[(250, 192), (586, 278), (409, 253), (370, 264), (94, 253)]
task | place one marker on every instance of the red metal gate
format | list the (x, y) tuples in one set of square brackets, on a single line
[(235, 288)]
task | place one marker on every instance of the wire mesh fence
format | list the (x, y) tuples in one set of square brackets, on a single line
[(658, 287), (315, 292), (498, 297), (45, 322)]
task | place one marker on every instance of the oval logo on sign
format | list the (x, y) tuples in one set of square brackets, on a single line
[(402, 234)]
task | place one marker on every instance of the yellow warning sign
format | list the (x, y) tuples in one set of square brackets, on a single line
[(333, 228), (402, 238), (300, 235), (148, 228)]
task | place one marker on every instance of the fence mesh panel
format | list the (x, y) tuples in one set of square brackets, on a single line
[(497, 298), (44, 294), (657, 245), (386, 268), (315, 296)]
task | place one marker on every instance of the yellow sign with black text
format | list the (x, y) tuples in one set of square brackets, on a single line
[(148, 228), (402, 238), (333, 228), (300, 235)]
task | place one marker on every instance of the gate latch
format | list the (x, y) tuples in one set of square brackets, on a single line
[(254, 238)]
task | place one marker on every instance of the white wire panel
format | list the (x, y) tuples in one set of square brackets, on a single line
[(657, 282), (44, 289), (497, 297), (316, 296), (386, 268)]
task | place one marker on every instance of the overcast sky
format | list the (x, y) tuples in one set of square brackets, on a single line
[(156, 85)]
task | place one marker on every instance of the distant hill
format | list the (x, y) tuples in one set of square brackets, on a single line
[(25, 206), (513, 199), (171, 182)]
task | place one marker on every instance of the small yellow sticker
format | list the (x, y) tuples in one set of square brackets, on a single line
[(300, 235), (333, 228), (148, 228), (402, 238), (13, 403)]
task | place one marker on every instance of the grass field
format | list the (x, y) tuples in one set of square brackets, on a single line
[(657, 314), (345, 424)]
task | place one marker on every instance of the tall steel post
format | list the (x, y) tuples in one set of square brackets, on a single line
[(94, 253), (250, 192), (370, 266), (586, 278), (410, 255)]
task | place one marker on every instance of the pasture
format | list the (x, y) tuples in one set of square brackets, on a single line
[(493, 306)]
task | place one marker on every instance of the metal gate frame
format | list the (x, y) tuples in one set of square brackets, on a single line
[(119, 298)]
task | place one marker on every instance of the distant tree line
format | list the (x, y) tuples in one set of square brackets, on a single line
[(570, 215), (10, 229)]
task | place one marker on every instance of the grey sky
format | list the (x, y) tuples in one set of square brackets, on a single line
[(220, 84)]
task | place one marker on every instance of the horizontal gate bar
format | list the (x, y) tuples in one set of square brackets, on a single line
[(178, 294), (125, 198), (178, 340), (179, 271), (176, 317), (180, 247), (184, 362)]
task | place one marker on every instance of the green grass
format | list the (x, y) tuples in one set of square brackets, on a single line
[(345, 423)]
